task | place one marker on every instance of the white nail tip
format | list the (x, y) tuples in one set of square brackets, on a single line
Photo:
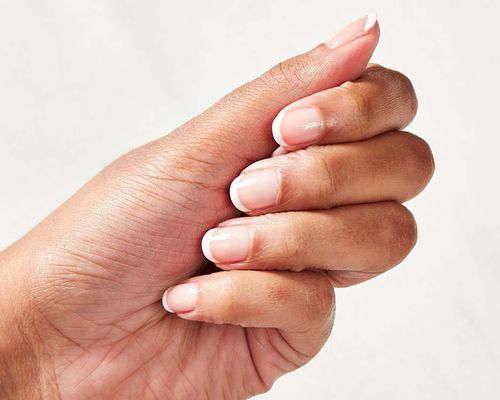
[(233, 194), (371, 20), (276, 127), (205, 244), (164, 302)]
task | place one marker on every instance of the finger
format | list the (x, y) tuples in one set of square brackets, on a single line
[(299, 304), (366, 239), (244, 117), (393, 166), (379, 101)]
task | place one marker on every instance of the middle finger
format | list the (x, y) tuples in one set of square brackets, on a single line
[(393, 166)]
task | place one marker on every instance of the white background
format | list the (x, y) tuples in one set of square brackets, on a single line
[(81, 82)]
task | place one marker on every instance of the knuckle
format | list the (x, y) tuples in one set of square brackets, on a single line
[(323, 182), (375, 73), (277, 293), (326, 169), (422, 160), (319, 299), (218, 299), (227, 310), (323, 296), (396, 85), (291, 248), (360, 105), (289, 191), (427, 159), (290, 74), (398, 232), (285, 248), (342, 279), (405, 91), (374, 67)]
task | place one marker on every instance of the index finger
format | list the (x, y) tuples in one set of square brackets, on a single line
[(379, 101)]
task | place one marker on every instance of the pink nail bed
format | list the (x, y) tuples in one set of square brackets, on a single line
[(298, 126), (255, 190), (227, 245), (181, 298)]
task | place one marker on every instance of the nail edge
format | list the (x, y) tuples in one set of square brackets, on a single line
[(276, 128), (371, 20), (233, 194), (165, 303), (205, 245)]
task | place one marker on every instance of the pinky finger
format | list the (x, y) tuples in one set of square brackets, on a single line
[(300, 304)]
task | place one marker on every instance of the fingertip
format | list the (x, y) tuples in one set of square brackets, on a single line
[(372, 27), (371, 21), (362, 27)]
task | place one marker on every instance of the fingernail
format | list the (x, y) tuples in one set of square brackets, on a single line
[(298, 126), (353, 30), (227, 245), (255, 190), (181, 298)]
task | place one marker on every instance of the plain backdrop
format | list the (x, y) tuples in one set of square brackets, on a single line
[(82, 82)]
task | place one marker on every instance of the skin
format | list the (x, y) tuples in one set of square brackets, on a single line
[(80, 295)]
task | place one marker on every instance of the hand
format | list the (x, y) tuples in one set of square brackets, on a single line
[(347, 219), (81, 293)]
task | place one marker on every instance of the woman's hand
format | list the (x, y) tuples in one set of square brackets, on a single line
[(80, 295), (345, 196)]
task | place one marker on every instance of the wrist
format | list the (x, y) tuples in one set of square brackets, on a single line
[(21, 368), (18, 363)]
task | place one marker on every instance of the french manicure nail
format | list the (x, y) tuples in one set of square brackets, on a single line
[(298, 126), (353, 30), (255, 190), (181, 298), (227, 245)]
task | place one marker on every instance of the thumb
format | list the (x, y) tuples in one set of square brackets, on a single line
[(244, 117)]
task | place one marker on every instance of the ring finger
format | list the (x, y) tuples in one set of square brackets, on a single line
[(352, 243)]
